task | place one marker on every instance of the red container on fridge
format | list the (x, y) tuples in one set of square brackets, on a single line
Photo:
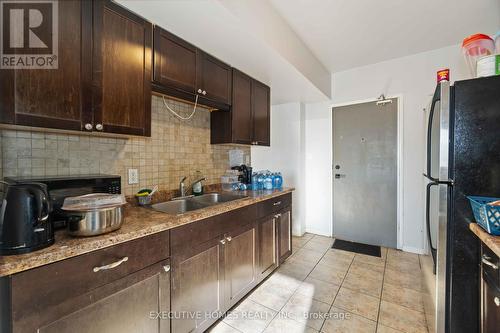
[(475, 47)]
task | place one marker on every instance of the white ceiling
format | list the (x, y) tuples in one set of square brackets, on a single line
[(350, 33)]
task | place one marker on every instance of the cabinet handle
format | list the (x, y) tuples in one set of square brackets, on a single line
[(486, 260), (99, 127), (223, 241), (111, 266), (277, 203), (229, 238), (277, 216), (89, 127), (166, 268), (200, 91), (497, 301), (204, 92)]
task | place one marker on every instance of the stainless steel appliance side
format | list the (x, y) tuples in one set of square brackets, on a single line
[(444, 146)]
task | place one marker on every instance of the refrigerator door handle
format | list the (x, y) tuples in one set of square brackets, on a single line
[(428, 223), (436, 98)]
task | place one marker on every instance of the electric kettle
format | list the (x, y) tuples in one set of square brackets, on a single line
[(25, 223)]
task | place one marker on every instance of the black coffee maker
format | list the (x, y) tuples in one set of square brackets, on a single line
[(25, 223), (245, 173)]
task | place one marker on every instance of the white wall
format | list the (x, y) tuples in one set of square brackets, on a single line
[(413, 77), (286, 155)]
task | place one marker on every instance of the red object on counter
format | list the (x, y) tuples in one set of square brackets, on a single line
[(443, 75)]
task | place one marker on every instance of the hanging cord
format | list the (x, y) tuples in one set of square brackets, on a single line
[(178, 115)]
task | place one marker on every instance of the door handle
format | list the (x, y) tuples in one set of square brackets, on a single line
[(110, 266), (486, 260), (340, 175)]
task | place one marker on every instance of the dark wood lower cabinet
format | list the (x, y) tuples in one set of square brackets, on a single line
[(268, 248), (240, 254), (285, 234), (197, 286)]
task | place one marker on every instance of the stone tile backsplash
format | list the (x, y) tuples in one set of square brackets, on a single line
[(175, 149)]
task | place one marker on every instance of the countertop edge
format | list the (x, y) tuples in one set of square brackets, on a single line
[(34, 259), (491, 241)]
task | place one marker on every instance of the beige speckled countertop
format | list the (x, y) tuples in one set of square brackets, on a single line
[(493, 242), (139, 222)]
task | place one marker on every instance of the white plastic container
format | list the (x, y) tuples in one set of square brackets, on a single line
[(488, 66), (475, 47)]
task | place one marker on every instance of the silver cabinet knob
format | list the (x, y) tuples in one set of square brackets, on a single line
[(200, 91), (497, 301), (166, 268), (99, 127), (204, 92), (229, 238), (223, 241), (89, 127)]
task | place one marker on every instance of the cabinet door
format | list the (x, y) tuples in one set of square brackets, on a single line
[(241, 111), (54, 98), (197, 286), (121, 70), (134, 303), (285, 234), (261, 105), (215, 78), (490, 306), (240, 252), (174, 61), (268, 256)]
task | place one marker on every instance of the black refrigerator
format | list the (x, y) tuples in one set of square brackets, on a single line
[(463, 158)]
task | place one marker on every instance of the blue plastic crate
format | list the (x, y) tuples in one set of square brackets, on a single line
[(487, 216)]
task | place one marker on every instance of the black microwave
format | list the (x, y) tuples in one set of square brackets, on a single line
[(60, 188)]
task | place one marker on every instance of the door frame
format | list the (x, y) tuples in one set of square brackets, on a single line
[(399, 161)]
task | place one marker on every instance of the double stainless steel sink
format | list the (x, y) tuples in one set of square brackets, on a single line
[(183, 205)]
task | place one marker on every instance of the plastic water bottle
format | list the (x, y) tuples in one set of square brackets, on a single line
[(268, 182), (277, 180), (260, 182)]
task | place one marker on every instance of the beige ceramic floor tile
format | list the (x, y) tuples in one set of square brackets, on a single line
[(306, 310), (308, 255), (363, 284), (393, 254), (371, 260), (402, 296), (357, 303), (340, 253), (385, 329), (301, 260), (351, 323), (282, 324), (373, 271), (329, 274), (295, 271), (299, 241), (405, 280), (319, 290), (336, 261), (402, 318), (222, 327), (308, 236), (270, 296), (250, 317), (404, 266), (313, 245), (283, 279)]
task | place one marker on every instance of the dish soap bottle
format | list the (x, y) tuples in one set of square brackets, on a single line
[(197, 186)]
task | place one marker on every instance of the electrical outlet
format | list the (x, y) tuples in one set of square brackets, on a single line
[(133, 176)]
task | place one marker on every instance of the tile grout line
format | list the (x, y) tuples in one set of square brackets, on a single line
[(381, 291)]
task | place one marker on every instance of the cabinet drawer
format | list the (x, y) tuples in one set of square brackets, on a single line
[(274, 205), (490, 264), (52, 284)]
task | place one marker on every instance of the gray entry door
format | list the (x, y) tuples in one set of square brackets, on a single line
[(365, 173)]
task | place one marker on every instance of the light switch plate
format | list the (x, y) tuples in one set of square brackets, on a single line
[(133, 176)]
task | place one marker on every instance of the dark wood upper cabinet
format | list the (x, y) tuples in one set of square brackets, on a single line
[(242, 108), (121, 70), (249, 120), (261, 110), (54, 98), (214, 78), (175, 61)]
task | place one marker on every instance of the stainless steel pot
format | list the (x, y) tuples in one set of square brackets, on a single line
[(94, 222)]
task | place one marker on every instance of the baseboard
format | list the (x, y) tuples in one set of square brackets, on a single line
[(413, 250), (318, 232)]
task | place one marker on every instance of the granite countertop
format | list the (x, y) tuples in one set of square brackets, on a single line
[(139, 222), (493, 242)]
